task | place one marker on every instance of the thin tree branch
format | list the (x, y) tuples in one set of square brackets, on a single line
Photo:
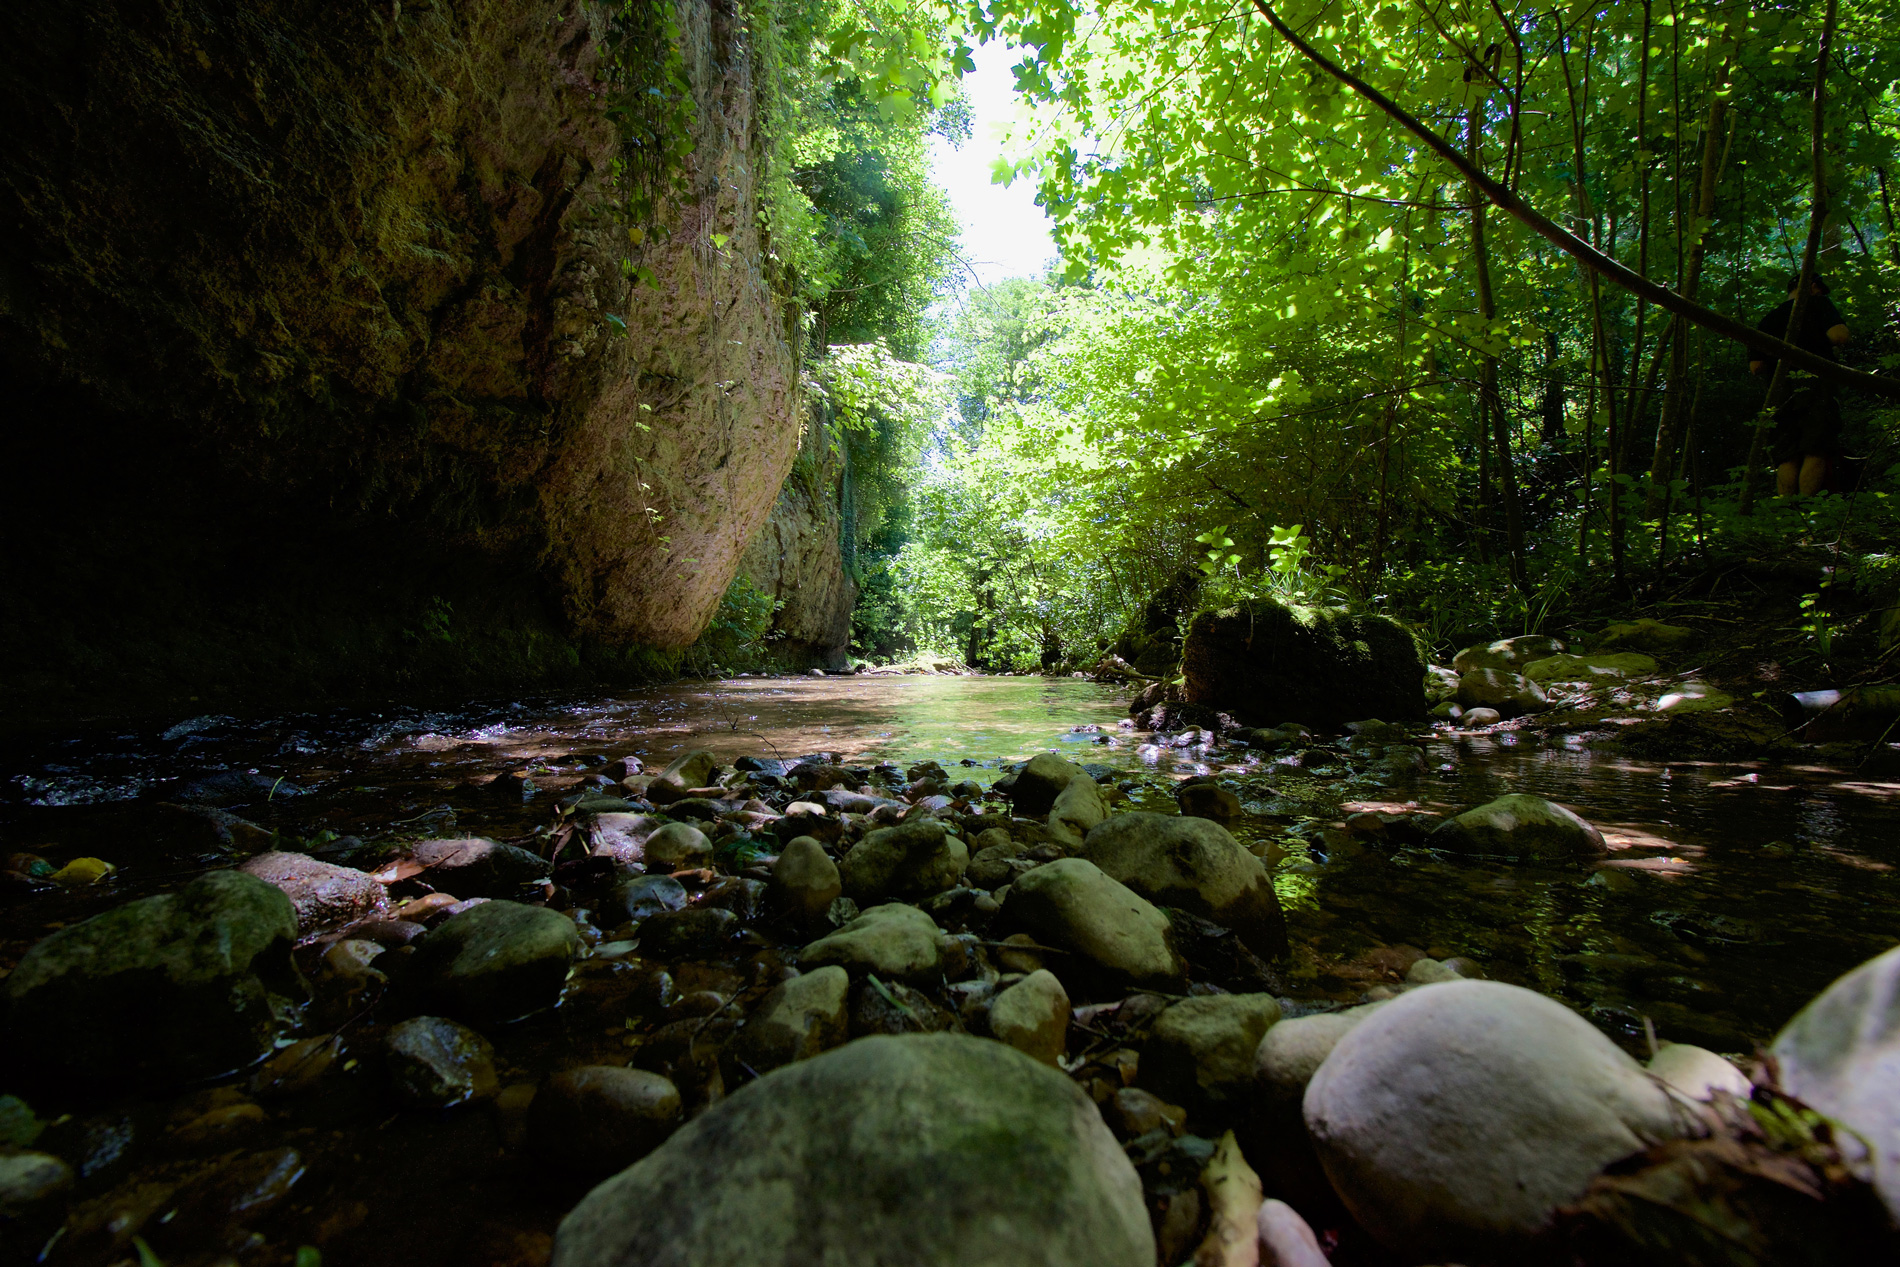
[(1509, 203)]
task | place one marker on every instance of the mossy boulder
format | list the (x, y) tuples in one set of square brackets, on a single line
[(165, 990), (1266, 663), (937, 1150)]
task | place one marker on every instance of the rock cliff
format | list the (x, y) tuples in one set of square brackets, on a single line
[(798, 557), (301, 289)]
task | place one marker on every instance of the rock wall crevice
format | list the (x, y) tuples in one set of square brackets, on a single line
[(798, 556)]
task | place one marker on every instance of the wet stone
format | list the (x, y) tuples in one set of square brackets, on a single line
[(434, 1062), (324, 896), (496, 962), (601, 1118), (648, 895), (692, 933), (220, 1207), (30, 1183), (891, 1007), (474, 866)]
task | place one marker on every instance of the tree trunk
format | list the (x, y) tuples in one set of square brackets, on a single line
[(1817, 222), (1711, 175), (1490, 408)]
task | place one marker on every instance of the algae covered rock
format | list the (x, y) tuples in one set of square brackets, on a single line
[(805, 881), (1609, 666), (799, 1019), (893, 940), (1643, 635), (935, 1150), (1455, 1120), (1194, 864), (168, 989), (1073, 905), (687, 771), (1519, 826), (1264, 663), (1078, 807), (1033, 1016), (1506, 653), (909, 861), (1033, 789), (1201, 1051)]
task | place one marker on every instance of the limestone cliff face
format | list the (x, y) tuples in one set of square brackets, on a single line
[(798, 557), (359, 258)]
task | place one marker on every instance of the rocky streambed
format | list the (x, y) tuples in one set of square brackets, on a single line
[(483, 988)]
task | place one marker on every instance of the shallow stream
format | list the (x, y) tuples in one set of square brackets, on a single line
[(1734, 892)]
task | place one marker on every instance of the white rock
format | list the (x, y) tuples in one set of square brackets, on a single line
[(1292, 1051), (1697, 1072), (1285, 1238), (1455, 1120), (1841, 1054)]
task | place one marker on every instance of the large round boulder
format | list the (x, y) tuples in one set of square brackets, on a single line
[(1194, 864), (1519, 826), (1841, 1055), (1456, 1119), (935, 1150), (1264, 662), (165, 990)]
